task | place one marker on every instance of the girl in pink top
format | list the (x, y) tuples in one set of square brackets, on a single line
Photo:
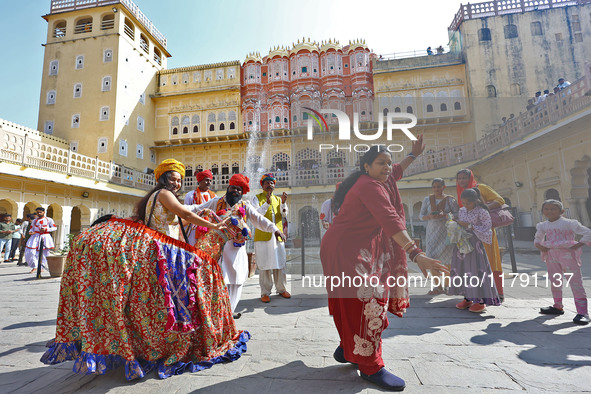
[(562, 254)]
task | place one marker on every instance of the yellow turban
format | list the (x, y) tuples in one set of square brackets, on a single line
[(169, 165)]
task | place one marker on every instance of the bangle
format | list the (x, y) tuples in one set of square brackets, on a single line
[(419, 254), (412, 155), (408, 243), (414, 253)]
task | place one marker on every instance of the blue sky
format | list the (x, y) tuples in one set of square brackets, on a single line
[(201, 32)]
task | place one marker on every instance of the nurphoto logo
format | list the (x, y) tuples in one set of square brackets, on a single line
[(344, 133)]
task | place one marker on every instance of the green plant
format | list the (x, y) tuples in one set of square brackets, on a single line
[(67, 245)]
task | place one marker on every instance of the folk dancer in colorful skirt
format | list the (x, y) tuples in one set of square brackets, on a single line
[(132, 295), (40, 230)]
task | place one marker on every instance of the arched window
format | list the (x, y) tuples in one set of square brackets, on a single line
[(195, 129), (386, 110), (83, 25), (222, 126), (232, 125), (429, 108), (185, 130), (484, 34), (59, 29), (443, 107), (491, 91), (552, 194), (397, 109), (536, 29), (510, 31), (144, 43), (175, 130), (277, 119), (129, 29), (515, 89), (457, 106), (157, 56), (409, 109), (108, 22), (211, 127)]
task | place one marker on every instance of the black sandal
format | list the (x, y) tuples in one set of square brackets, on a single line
[(550, 310)]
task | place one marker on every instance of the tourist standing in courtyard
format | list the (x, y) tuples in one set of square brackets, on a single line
[(270, 252), (492, 199), (40, 229), (470, 273), (555, 238), (368, 239), (434, 211)]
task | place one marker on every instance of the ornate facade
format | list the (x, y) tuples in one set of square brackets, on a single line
[(110, 110)]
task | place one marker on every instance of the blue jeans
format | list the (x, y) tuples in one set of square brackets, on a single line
[(8, 243)]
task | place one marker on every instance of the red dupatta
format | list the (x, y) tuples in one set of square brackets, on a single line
[(460, 189)]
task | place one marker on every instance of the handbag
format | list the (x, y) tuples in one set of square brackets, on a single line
[(501, 217)]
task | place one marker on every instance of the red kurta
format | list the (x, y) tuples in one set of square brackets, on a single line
[(359, 246)]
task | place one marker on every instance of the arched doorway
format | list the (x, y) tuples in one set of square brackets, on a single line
[(8, 206), (80, 219), (30, 208), (55, 212), (310, 224)]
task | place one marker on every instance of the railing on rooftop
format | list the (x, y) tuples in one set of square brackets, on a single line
[(414, 53), (23, 146), (504, 7), (71, 5)]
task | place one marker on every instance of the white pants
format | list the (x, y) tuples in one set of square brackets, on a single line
[(267, 277), (32, 258), (234, 291)]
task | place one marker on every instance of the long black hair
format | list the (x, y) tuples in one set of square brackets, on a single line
[(473, 195), (164, 182), (368, 158)]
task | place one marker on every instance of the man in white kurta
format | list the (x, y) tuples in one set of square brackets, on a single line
[(40, 230), (270, 254), (200, 195), (234, 260)]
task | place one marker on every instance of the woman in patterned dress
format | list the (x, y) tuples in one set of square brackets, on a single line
[(366, 244), (434, 210), (132, 295)]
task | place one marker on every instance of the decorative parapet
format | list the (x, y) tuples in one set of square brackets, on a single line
[(58, 6), (30, 148), (504, 7)]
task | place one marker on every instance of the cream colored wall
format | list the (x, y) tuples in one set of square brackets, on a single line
[(533, 62), (559, 161), (132, 73), (440, 129)]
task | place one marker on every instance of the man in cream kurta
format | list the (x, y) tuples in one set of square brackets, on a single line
[(234, 261), (270, 253)]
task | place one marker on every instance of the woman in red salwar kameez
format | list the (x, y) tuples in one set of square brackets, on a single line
[(366, 245)]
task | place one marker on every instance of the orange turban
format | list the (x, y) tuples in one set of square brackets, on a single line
[(169, 165), (203, 174), (242, 181)]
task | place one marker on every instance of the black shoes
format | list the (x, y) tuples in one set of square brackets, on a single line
[(550, 310), (385, 380), (581, 319)]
